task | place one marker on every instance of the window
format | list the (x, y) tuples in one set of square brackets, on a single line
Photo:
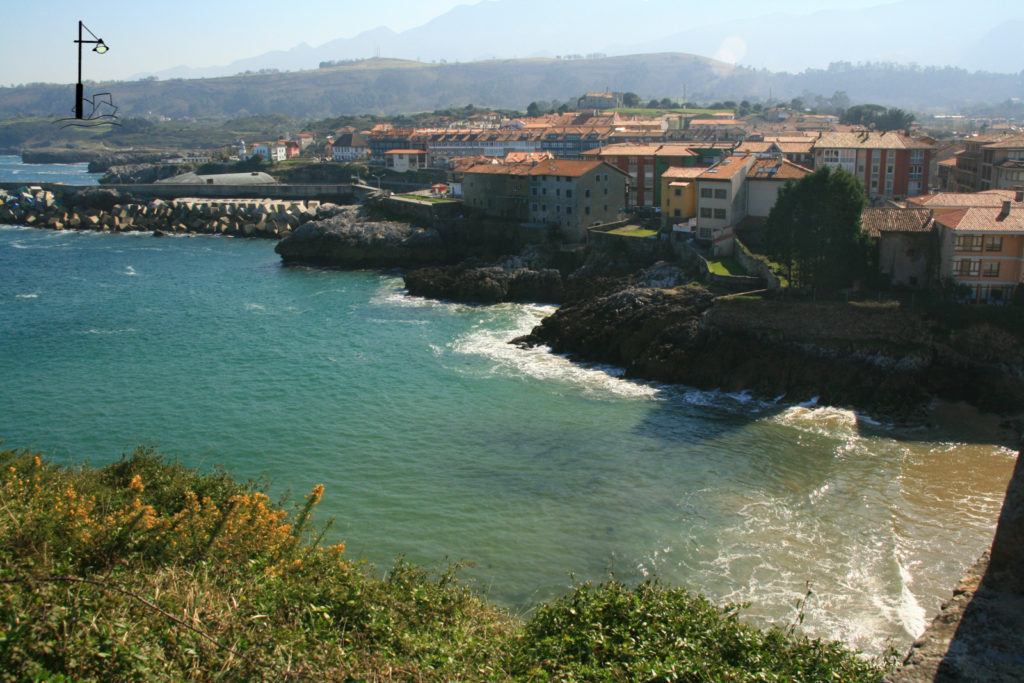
[(533, 191), (586, 210), (992, 269), (679, 192), (678, 213), (994, 243), (705, 192), (916, 172), (705, 233), (533, 207), (967, 243), (830, 156), (543, 190), (705, 212), (586, 192), (568, 210), (720, 194), (720, 213), (558, 192), (917, 156), (968, 267), (568, 193)]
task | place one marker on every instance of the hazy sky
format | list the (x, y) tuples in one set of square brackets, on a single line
[(36, 37)]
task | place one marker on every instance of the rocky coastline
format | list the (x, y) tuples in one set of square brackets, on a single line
[(883, 360)]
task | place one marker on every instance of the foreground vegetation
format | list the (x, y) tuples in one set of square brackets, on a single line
[(145, 569)]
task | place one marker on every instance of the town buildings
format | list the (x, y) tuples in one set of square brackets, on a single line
[(983, 251), (988, 162)]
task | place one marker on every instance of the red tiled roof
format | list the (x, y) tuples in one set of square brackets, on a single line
[(568, 167), (683, 172), (405, 151), (776, 169), (983, 220), (725, 169), (950, 200), (888, 140), (876, 220)]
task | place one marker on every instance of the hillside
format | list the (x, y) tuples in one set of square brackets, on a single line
[(387, 86)]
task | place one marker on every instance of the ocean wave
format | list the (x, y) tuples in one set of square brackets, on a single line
[(27, 296)]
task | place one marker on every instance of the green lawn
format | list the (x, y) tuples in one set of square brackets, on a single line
[(634, 231), (423, 198), (726, 266)]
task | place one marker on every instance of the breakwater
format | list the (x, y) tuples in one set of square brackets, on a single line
[(107, 210)]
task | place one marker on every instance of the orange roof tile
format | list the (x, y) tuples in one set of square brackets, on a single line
[(950, 200), (568, 167), (983, 220), (726, 168)]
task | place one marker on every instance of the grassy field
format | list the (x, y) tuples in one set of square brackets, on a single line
[(146, 570), (634, 231)]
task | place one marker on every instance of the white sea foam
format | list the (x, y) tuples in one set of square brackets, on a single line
[(26, 296), (126, 330), (129, 271), (253, 307)]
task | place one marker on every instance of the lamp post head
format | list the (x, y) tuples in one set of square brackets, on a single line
[(101, 47)]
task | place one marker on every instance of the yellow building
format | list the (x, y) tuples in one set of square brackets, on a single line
[(679, 194)]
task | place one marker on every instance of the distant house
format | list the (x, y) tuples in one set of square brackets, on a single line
[(350, 147), (906, 244), (405, 160), (644, 163), (305, 140), (983, 250), (271, 151), (292, 149), (988, 162), (599, 100)]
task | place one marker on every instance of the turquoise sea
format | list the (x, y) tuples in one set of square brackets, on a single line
[(437, 440)]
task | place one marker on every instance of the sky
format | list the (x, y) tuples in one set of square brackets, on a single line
[(36, 38)]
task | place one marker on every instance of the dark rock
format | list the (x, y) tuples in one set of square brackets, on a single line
[(354, 239)]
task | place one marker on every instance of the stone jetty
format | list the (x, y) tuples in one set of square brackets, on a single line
[(109, 211)]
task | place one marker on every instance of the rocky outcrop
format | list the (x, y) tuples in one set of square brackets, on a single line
[(354, 238), (108, 210), (884, 360), (129, 174), (537, 274)]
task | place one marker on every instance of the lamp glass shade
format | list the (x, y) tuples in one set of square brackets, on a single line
[(100, 48)]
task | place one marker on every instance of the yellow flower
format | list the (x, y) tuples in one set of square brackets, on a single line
[(136, 484), (317, 493)]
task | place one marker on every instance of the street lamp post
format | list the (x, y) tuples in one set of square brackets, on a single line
[(100, 48)]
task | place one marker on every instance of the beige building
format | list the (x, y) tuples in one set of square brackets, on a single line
[(722, 200)]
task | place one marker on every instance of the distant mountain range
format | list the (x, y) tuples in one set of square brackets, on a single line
[(767, 34), (384, 86)]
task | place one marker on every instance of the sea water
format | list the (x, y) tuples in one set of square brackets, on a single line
[(438, 441), (13, 171)]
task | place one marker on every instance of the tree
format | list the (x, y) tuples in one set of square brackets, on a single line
[(630, 99), (533, 110), (813, 230), (653, 104)]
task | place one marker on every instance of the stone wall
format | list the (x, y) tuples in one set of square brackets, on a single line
[(755, 265)]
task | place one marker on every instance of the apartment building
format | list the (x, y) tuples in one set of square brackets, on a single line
[(575, 194), (887, 164), (982, 249)]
